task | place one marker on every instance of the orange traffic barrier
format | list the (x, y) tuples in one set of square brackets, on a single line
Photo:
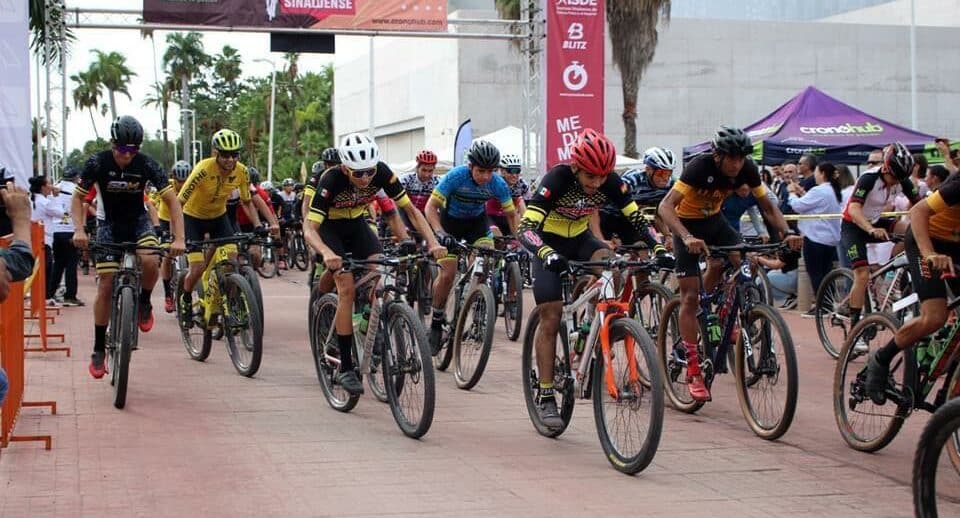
[(12, 361), (38, 297)]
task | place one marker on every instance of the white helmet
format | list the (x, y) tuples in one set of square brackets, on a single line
[(266, 185), (659, 158), (358, 151), (510, 161)]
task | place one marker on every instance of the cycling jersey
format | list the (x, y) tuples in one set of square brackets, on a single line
[(288, 205), (518, 191), (163, 212), (338, 198), (205, 192), (945, 204), (642, 191), (704, 186), (255, 190), (311, 186), (418, 191), (874, 195), (562, 208), (120, 193), (463, 198)]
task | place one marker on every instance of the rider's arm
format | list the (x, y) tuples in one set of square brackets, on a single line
[(318, 214), (595, 225), (772, 213), (667, 210), (261, 205), (395, 190), (305, 206), (152, 211), (251, 210), (176, 214), (544, 200), (920, 225), (311, 234), (757, 222)]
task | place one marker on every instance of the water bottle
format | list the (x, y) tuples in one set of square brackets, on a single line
[(581, 343), (364, 318), (714, 333)]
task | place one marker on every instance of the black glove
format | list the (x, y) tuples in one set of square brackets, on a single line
[(407, 247), (666, 261), (555, 263), (446, 240), (261, 231)]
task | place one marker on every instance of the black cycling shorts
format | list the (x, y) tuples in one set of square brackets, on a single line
[(350, 236), (714, 230), (854, 240), (499, 222), (546, 284), (140, 230), (197, 229), (925, 280)]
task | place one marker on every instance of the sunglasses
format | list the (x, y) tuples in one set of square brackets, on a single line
[(511, 170), (128, 150), (363, 173), (229, 154)]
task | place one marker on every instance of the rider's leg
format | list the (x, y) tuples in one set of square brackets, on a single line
[(858, 292)]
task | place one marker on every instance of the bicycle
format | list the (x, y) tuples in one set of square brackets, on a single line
[(297, 254), (600, 359), (942, 429), (754, 329), (396, 345), (832, 305), (268, 258), (223, 305), (122, 330), (507, 283), (868, 427)]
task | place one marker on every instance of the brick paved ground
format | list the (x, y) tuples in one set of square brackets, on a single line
[(196, 439)]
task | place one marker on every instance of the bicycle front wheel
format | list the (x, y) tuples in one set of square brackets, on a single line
[(254, 282), (299, 254), (242, 325), (268, 261), (939, 431), (323, 339), (628, 398), (563, 388), (672, 356), (196, 338), (832, 310), (408, 372), (123, 333), (513, 301), (766, 370), (473, 336)]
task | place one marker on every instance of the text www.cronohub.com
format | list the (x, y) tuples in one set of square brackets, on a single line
[(405, 21)]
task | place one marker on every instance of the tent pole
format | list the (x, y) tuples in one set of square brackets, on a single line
[(913, 64)]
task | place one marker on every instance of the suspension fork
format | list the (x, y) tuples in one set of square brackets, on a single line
[(611, 311)]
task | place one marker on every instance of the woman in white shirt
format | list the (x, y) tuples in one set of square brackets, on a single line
[(45, 212), (820, 236)]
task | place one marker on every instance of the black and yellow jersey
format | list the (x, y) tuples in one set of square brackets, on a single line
[(163, 212), (337, 198), (205, 192), (945, 204), (704, 187)]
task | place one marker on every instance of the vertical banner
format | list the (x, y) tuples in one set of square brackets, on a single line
[(15, 123), (574, 73), (462, 143)]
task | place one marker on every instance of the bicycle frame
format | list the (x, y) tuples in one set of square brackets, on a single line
[(920, 383)]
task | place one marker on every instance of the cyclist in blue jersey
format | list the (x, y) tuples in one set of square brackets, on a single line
[(456, 211), (648, 186)]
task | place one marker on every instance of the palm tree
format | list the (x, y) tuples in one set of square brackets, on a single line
[(86, 95), (508, 9), (633, 34), (111, 71), (38, 28), (226, 68), (183, 59), (160, 97)]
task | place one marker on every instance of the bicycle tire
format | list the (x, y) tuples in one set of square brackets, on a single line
[(513, 325), (671, 364), (300, 259), (242, 316), (253, 280), (124, 322), (268, 262), (424, 290), (321, 313), (844, 387), (465, 377), (826, 307), (937, 432), (953, 445), (660, 295), (373, 376), (747, 380), (197, 340), (763, 284), (563, 383), (444, 357), (406, 366)]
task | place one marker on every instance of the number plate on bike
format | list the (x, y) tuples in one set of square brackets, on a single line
[(745, 268), (906, 301)]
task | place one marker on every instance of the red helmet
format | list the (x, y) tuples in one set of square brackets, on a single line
[(594, 153), (426, 157)]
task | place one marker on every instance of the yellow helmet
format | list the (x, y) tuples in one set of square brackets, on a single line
[(227, 140)]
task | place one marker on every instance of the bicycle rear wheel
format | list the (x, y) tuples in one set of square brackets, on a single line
[(672, 357), (766, 370), (242, 325), (864, 425), (443, 358), (938, 433), (563, 388), (254, 282), (647, 305), (323, 338), (268, 261), (299, 254), (473, 336), (833, 310), (407, 372), (197, 339), (513, 301), (123, 337), (628, 409)]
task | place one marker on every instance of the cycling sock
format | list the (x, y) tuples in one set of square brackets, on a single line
[(886, 353), (345, 344), (693, 360), (438, 315), (145, 297), (167, 288), (99, 338), (855, 316)]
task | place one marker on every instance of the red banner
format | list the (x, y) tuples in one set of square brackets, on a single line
[(405, 15), (574, 77)]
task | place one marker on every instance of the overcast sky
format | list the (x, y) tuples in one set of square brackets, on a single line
[(140, 58)]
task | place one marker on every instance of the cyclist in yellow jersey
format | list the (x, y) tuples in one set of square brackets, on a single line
[(204, 198), (692, 211), (178, 175)]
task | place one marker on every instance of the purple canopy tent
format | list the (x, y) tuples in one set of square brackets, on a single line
[(813, 122)]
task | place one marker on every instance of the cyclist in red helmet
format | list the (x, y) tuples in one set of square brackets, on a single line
[(555, 229)]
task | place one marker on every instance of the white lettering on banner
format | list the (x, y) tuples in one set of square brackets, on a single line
[(576, 3), (318, 4), (568, 129), (566, 124)]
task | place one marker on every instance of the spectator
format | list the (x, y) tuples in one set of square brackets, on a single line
[(16, 262), (806, 168), (846, 180), (734, 207), (936, 175), (767, 178), (41, 193), (65, 255), (820, 236), (949, 156), (919, 174), (782, 274)]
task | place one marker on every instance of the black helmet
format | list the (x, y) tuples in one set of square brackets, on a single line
[(126, 131), (254, 175), (898, 160), (330, 156), (484, 154), (318, 167), (732, 141)]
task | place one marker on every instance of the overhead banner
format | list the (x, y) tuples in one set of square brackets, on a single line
[(15, 121), (574, 73), (393, 15)]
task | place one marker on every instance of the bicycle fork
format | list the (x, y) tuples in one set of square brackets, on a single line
[(617, 310)]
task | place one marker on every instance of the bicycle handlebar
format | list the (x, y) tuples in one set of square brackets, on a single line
[(126, 246), (236, 238)]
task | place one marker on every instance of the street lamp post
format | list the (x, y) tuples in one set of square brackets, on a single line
[(273, 98), (187, 141)]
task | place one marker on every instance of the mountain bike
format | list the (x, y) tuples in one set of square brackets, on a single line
[(941, 430), (224, 305), (269, 258), (606, 356), (297, 254), (507, 284), (764, 359), (122, 331), (390, 344)]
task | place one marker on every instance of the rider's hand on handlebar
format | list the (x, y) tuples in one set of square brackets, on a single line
[(941, 262), (555, 263), (666, 261), (178, 247), (80, 238), (794, 241), (407, 247), (694, 245), (275, 230), (334, 262), (879, 233), (260, 231), (446, 240)]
